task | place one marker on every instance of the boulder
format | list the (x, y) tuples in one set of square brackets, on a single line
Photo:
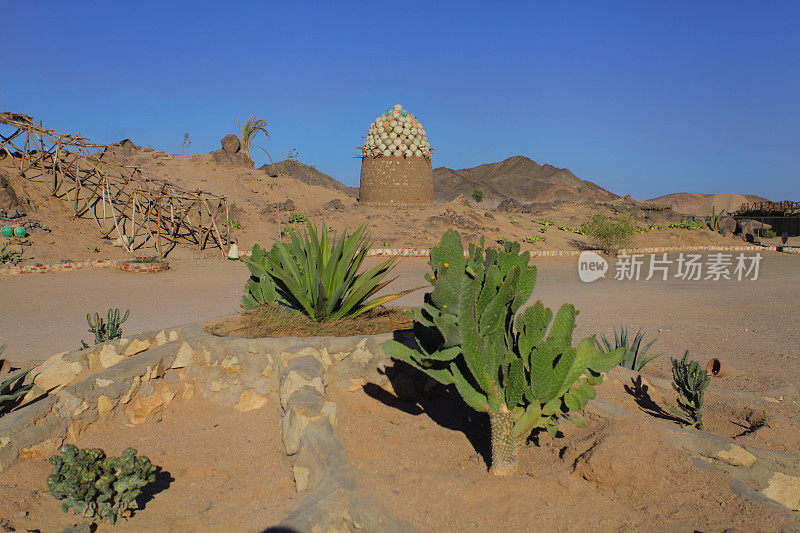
[(333, 205), (271, 170), (747, 225), (231, 144), (227, 159), (726, 225)]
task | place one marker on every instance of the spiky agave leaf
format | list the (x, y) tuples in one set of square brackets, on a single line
[(12, 390), (318, 275)]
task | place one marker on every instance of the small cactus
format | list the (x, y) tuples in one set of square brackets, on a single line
[(105, 331), (96, 486), (690, 380)]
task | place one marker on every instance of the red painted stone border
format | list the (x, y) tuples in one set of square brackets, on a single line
[(122, 264), (128, 265)]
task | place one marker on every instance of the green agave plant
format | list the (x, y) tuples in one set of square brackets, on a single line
[(635, 354), (12, 390), (317, 275)]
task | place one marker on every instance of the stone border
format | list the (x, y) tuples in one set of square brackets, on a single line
[(128, 265), (68, 266), (389, 252)]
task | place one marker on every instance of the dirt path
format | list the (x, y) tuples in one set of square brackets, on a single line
[(750, 324)]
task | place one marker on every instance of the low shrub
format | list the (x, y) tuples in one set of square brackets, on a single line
[(535, 238), (477, 195), (611, 234)]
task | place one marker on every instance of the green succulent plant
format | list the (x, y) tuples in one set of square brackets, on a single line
[(690, 380), (318, 276), (99, 487), (714, 218), (13, 389), (105, 331), (517, 367), (635, 353)]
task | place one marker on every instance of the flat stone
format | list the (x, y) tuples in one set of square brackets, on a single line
[(44, 449), (736, 456), (109, 356), (184, 357), (56, 372), (303, 406), (173, 335), (249, 400), (231, 364), (296, 380), (301, 477), (137, 346), (144, 406), (785, 490), (102, 382), (361, 355), (104, 405), (161, 338)]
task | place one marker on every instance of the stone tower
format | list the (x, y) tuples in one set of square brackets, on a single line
[(396, 162)]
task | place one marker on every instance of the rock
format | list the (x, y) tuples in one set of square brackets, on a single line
[(726, 226), (161, 338), (746, 225), (783, 489), (302, 407), (137, 346), (231, 160), (231, 364), (142, 407), (231, 144), (109, 356), (361, 355), (510, 205), (282, 207), (296, 380), (271, 170), (356, 384), (41, 450), (184, 357), (736, 456), (301, 477), (56, 372), (333, 205), (85, 527), (249, 400), (104, 405)]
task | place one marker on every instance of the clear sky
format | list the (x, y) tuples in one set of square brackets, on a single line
[(643, 98)]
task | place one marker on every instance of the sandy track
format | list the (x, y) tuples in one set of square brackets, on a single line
[(750, 324)]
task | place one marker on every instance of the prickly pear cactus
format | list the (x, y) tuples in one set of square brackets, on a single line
[(96, 486), (517, 367), (260, 288)]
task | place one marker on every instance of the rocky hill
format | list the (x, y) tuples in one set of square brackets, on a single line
[(700, 204), (308, 174), (517, 177)]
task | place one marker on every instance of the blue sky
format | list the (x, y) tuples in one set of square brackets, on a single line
[(643, 98)]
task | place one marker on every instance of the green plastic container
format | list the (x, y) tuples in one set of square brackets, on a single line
[(19, 231), (6, 231)]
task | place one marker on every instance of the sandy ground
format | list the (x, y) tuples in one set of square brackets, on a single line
[(221, 469), (579, 481), (751, 325)]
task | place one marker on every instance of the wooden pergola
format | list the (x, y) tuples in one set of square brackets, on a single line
[(119, 197)]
